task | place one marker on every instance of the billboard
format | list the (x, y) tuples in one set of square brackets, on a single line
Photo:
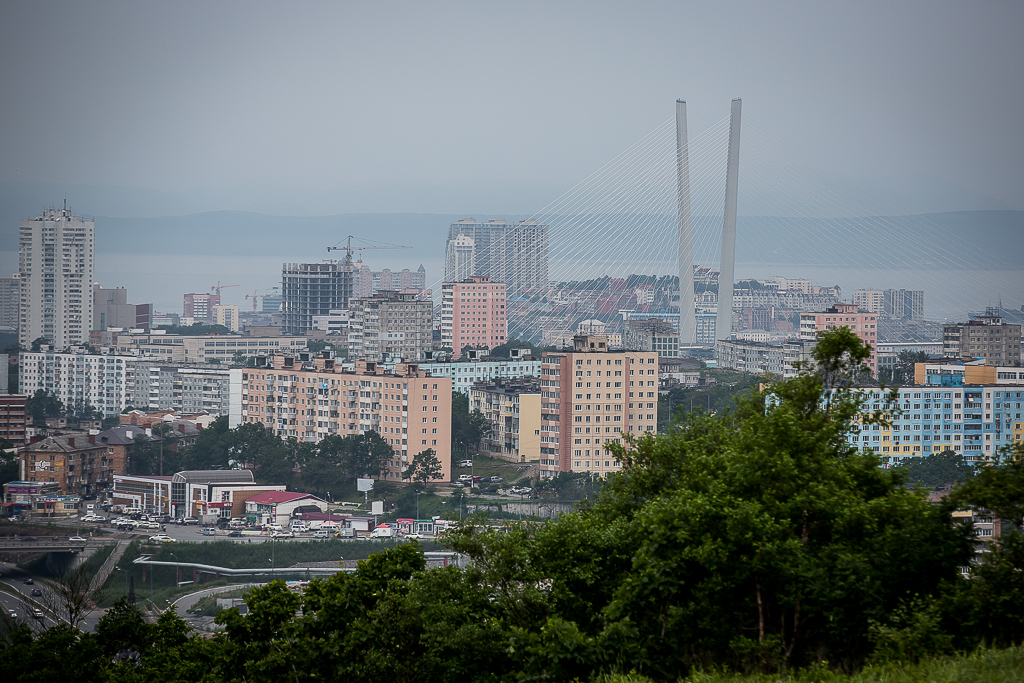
[(364, 484), (377, 507)]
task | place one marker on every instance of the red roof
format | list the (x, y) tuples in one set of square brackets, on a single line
[(273, 497)]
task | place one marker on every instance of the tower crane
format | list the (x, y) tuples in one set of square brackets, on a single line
[(255, 296), (217, 287), (348, 248)]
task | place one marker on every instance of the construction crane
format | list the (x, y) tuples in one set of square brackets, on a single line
[(254, 296), (217, 287), (348, 248)]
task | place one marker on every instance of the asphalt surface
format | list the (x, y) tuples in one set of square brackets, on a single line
[(23, 603)]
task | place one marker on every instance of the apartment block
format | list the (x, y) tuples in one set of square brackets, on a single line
[(78, 378), (750, 356), (13, 418), (473, 314), (512, 409), (226, 316), (957, 374), (178, 387), (218, 348), (869, 300), (459, 262), (513, 253), (309, 289), (590, 397), (985, 336), (905, 304), (78, 464), (308, 398), (390, 324), (56, 272), (110, 308), (862, 324), (468, 371), (10, 296), (973, 420), (199, 306)]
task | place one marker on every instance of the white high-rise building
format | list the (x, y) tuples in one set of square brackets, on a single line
[(869, 300), (513, 253), (56, 254), (459, 263)]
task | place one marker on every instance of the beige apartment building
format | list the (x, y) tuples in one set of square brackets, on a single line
[(591, 397), (309, 398), (178, 348), (512, 409), (390, 323)]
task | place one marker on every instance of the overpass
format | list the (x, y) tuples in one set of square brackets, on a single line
[(49, 544)]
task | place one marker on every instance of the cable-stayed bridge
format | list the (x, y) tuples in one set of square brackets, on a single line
[(678, 207)]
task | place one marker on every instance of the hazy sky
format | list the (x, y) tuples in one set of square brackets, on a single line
[(496, 107)]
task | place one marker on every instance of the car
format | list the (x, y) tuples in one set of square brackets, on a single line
[(36, 593), (465, 477), (235, 533), (520, 490), (496, 480), (209, 531), (78, 539), (281, 534), (465, 463), (29, 581), (190, 520), (37, 613), (13, 614), (29, 538), (161, 538)]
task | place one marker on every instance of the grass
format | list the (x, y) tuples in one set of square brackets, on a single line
[(485, 466), (981, 666), (207, 606)]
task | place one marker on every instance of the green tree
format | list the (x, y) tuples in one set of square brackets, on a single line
[(368, 455), (43, 404), (467, 427), (937, 469), (38, 343), (425, 467)]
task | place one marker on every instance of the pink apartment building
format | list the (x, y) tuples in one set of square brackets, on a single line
[(473, 314), (862, 324)]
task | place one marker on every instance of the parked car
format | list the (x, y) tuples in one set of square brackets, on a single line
[(465, 463), (190, 520), (281, 534), (520, 490), (465, 477), (496, 480)]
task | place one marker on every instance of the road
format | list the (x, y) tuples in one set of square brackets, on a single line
[(23, 603)]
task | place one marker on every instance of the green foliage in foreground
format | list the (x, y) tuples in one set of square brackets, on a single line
[(756, 541)]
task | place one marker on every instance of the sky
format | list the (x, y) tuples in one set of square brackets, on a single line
[(312, 108)]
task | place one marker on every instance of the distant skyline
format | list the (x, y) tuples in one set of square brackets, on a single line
[(313, 109)]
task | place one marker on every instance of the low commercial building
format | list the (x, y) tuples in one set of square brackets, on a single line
[(512, 410), (221, 493), (20, 496), (151, 493), (278, 507)]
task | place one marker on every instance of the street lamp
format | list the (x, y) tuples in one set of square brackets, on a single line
[(125, 578), (418, 494), (177, 571)]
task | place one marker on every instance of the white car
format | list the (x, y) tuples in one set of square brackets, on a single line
[(78, 539), (161, 538), (281, 534)]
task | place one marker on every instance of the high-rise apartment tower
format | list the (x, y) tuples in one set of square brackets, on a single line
[(56, 253), (513, 253)]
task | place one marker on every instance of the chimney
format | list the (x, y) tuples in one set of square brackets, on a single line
[(71, 441), (181, 427), (92, 438)]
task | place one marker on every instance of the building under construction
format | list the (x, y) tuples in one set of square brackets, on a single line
[(313, 289)]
